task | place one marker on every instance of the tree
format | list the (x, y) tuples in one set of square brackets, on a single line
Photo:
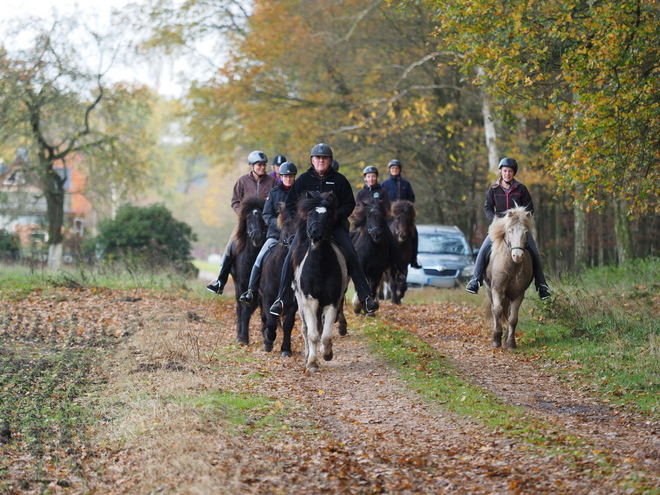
[(50, 99), (151, 233)]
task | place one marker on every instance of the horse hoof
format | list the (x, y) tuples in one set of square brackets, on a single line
[(242, 342), (342, 331), (313, 369), (268, 347), (287, 354), (371, 315), (328, 357)]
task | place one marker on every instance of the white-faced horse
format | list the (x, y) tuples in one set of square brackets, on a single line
[(320, 275), (509, 272)]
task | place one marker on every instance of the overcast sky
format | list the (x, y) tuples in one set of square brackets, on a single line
[(162, 79)]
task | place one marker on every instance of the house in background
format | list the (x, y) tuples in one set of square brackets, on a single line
[(23, 207)]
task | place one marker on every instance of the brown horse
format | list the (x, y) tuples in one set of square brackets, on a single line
[(509, 272), (404, 230)]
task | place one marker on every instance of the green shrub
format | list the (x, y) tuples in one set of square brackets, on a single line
[(147, 234), (9, 246)]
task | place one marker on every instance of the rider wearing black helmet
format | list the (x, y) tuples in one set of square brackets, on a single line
[(322, 177), (254, 183), (277, 195), (277, 162), (504, 194)]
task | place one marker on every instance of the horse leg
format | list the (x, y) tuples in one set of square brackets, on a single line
[(357, 305), (269, 330), (242, 324), (287, 327), (510, 342), (341, 319), (308, 313), (496, 309), (328, 320)]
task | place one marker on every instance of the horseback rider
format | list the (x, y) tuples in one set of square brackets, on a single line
[(277, 195), (372, 190), (399, 188), (277, 163), (255, 183), (504, 194), (322, 177)]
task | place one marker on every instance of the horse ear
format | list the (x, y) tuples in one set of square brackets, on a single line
[(308, 194), (528, 214), (510, 213)]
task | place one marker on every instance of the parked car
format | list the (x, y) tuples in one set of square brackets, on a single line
[(445, 256)]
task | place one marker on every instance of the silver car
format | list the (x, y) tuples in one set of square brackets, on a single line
[(445, 256)]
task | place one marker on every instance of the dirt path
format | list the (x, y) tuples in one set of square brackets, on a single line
[(368, 433)]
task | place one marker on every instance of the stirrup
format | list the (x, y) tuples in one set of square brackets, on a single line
[(544, 292), (247, 297), (277, 308), (214, 287), (371, 304), (472, 287)]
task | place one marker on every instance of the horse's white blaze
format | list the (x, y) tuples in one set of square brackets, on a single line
[(321, 209)]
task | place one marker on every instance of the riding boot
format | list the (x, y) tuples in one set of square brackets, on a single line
[(218, 284), (480, 267), (537, 267), (362, 288), (414, 263), (248, 296)]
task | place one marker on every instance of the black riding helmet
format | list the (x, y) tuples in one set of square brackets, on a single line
[(395, 163), (320, 149), (509, 162), (279, 160), (288, 168), (370, 169)]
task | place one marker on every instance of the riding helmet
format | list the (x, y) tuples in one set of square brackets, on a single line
[(257, 157), (335, 165), (370, 169), (395, 163), (279, 160), (288, 168), (509, 162), (321, 149)]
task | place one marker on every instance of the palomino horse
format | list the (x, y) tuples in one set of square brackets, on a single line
[(509, 272), (371, 244), (320, 274), (403, 227), (250, 235), (269, 285)]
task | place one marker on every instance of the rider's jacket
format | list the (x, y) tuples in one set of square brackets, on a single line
[(247, 185), (277, 195), (399, 188), (331, 181), (376, 192), (499, 199)]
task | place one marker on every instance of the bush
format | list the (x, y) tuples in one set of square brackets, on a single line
[(149, 234), (9, 246)]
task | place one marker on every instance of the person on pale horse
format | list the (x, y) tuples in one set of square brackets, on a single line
[(504, 194)]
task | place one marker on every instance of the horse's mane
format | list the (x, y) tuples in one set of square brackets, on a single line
[(404, 207), (498, 228), (360, 213), (248, 204)]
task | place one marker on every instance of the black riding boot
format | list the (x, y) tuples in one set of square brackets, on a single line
[(370, 303), (248, 296), (414, 263), (218, 284), (480, 267), (285, 294), (537, 267)]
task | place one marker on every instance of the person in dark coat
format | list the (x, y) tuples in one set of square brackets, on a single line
[(277, 195), (504, 194), (322, 177)]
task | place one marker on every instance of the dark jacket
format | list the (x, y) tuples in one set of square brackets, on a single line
[(499, 200), (331, 181), (376, 192), (399, 188), (247, 185), (277, 195)]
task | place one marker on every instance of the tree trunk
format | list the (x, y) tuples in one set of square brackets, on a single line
[(489, 129), (53, 187), (624, 245), (580, 229)]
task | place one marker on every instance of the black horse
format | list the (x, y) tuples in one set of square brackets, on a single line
[(404, 230), (269, 284), (371, 244), (320, 274), (250, 235)]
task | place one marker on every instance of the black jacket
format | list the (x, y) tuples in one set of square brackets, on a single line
[(277, 195), (331, 181), (499, 200), (376, 192)]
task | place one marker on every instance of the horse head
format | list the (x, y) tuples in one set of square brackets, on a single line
[(516, 224), (286, 224), (370, 217), (251, 225), (403, 221), (319, 211)]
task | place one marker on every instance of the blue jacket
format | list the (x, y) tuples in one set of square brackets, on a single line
[(399, 188)]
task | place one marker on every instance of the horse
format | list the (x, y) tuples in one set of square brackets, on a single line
[(320, 274), (269, 285), (402, 225), (250, 235), (371, 244), (509, 272)]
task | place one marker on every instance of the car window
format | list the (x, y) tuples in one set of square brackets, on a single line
[(443, 244)]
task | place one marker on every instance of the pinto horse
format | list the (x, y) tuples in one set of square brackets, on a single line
[(371, 244), (269, 285), (250, 235), (509, 272), (404, 230), (320, 274)]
